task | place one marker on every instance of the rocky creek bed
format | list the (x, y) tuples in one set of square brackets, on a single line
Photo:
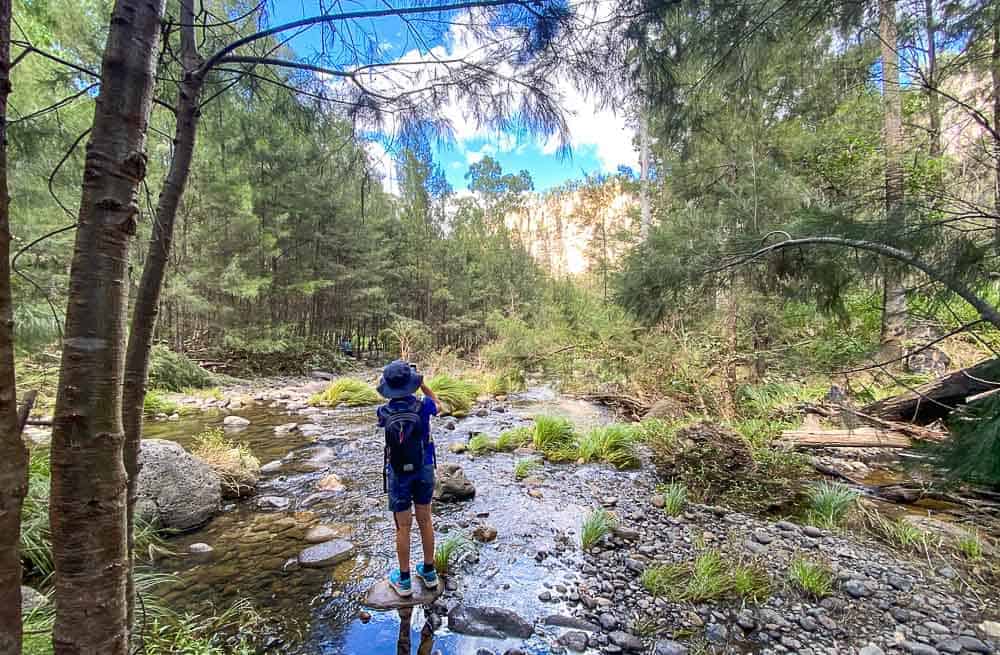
[(531, 588)]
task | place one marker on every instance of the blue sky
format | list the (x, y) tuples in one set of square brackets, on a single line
[(600, 140)]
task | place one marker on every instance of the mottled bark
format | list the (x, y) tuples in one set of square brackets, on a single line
[(995, 78), (87, 508), (13, 457), (147, 300), (894, 301), (933, 99)]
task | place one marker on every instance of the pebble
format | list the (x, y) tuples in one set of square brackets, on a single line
[(871, 649), (762, 537), (972, 644), (669, 647), (857, 588), (917, 648)]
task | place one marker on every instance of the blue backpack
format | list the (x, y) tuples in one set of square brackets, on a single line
[(404, 436)]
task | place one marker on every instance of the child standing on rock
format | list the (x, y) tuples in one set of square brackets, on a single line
[(409, 468)]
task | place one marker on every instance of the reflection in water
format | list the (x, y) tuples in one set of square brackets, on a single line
[(405, 636)]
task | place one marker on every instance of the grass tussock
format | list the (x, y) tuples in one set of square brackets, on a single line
[(970, 545), (898, 533), (480, 444), (234, 462), (554, 437), (172, 371), (456, 395), (502, 383), (448, 550), (511, 440), (614, 444), (346, 391), (526, 467), (675, 497), (811, 577), (596, 526), (710, 576), (830, 503)]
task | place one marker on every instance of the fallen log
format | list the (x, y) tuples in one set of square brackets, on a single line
[(628, 406), (849, 416), (857, 438), (937, 398)]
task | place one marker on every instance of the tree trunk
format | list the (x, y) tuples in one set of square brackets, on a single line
[(933, 100), (13, 457), (995, 75), (646, 212), (894, 302), (938, 398), (88, 508), (147, 301)]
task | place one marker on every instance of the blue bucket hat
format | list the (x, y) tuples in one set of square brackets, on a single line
[(399, 380)]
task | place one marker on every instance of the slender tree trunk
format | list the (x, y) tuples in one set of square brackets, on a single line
[(646, 212), (933, 100), (147, 300), (995, 75), (88, 500), (894, 303), (13, 457)]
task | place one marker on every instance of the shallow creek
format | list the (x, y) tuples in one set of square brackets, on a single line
[(317, 610)]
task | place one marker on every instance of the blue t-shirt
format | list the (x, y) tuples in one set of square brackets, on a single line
[(427, 410)]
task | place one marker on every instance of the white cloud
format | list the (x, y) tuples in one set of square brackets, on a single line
[(383, 165)]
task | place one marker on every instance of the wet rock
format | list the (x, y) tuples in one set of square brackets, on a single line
[(493, 622), (608, 622), (484, 533), (200, 549), (458, 447), (575, 641), (235, 422), (451, 485), (545, 596), (273, 503), (626, 641), (32, 600), (319, 534), (380, 596), (669, 647), (871, 649), (271, 467), (331, 482), (658, 501), (176, 490), (326, 554), (572, 622), (286, 428), (482, 412)]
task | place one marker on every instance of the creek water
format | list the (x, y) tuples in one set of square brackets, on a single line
[(317, 610)]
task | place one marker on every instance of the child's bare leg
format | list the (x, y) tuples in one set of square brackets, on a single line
[(423, 513), (404, 521)]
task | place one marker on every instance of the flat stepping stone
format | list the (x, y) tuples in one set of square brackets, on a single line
[(382, 597), (326, 554)]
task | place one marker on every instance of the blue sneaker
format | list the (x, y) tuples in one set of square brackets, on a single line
[(430, 578), (399, 585)]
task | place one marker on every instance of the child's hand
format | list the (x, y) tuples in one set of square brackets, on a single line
[(430, 394)]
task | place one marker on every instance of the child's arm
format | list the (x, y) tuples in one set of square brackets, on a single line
[(430, 394)]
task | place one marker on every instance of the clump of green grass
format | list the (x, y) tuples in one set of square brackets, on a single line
[(480, 444), (596, 526), (175, 371), (710, 576), (346, 391), (970, 545), (212, 393), (898, 533), (449, 550), (36, 537), (457, 395), (525, 467), (811, 577), (236, 465), (829, 504), (157, 403), (555, 437), (511, 440), (663, 580), (614, 444), (675, 497), (501, 383)]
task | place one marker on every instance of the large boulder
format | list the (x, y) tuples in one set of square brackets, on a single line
[(176, 490), (451, 485), (328, 553), (666, 409), (492, 622)]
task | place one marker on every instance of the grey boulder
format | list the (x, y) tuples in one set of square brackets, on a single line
[(492, 622), (451, 485), (328, 553), (176, 490)]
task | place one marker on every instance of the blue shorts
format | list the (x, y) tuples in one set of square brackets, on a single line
[(410, 489)]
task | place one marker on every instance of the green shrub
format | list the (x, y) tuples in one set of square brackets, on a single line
[(973, 451), (675, 497), (525, 467), (614, 444), (236, 465), (346, 391), (449, 550), (156, 403), (829, 504), (555, 437), (174, 371), (36, 538), (511, 440), (597, 524), (456, 395), (812, 578)]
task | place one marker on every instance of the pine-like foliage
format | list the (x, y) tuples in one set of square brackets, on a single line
[(973, 452)]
